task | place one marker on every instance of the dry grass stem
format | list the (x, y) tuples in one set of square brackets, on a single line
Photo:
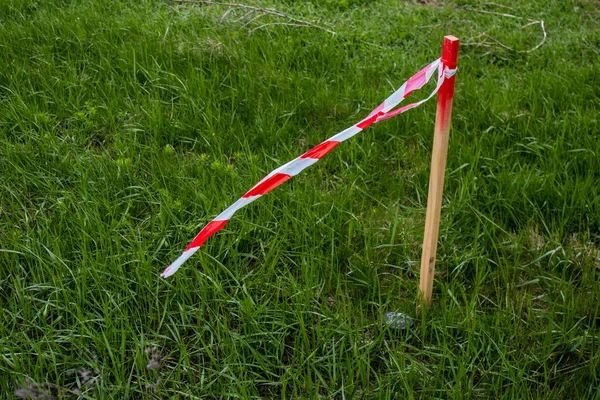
[(498, 42), (263, 11)]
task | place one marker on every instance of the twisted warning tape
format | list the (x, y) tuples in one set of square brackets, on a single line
[(294, 167)]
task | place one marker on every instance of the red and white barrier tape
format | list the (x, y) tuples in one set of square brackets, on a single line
[(294, 167)]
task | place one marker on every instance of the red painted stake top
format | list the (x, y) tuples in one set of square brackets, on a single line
[(450, 51), (449, 59)]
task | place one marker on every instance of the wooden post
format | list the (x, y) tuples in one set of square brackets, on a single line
[(438, 167)]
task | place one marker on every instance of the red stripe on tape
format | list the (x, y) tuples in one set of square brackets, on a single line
[(268, 184), (368, 121), (397, 111), (417, 81), (206, 232), (320, 150), (376, 110)]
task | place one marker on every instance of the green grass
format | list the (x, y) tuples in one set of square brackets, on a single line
[(125, 127)]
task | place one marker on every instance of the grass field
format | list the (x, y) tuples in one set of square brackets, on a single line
[(126, 126)]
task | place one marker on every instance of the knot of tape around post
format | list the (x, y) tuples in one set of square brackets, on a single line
[(449, 73)]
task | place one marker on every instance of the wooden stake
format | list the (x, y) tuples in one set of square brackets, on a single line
[(438, 167)]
